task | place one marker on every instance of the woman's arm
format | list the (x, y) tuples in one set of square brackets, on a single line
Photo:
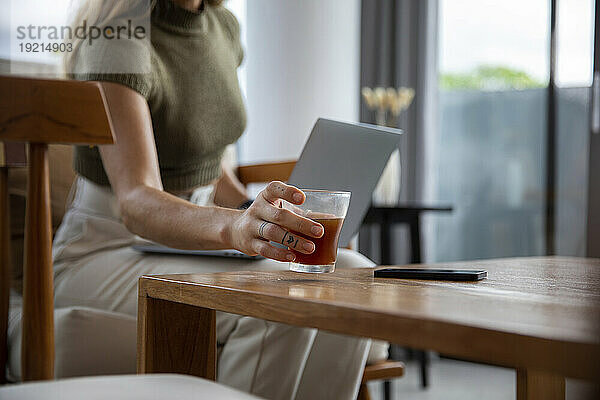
[(229, 191), (147, 210)]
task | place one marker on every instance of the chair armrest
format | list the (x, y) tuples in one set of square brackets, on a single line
[(383, 370), (265, 172)]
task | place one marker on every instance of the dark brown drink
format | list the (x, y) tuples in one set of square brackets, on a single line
[(325, 246)]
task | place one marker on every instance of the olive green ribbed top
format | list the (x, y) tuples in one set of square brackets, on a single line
[(192, 92)]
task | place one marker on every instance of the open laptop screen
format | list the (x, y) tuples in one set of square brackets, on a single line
[(346, 156)]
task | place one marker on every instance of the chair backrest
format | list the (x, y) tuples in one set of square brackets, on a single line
[(42, 111), (266, 172)]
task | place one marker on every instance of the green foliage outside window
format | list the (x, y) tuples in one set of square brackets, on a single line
[(489, 77)]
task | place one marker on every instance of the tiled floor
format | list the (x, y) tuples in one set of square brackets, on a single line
[(459, 380)]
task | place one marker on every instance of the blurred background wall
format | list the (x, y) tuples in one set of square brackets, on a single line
[(302, 62)]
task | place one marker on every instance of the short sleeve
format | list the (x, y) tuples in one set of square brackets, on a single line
[(126, 62), (232, 26)]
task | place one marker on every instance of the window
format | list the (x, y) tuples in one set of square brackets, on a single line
[(490, 145), (489, 151), (38, 14)]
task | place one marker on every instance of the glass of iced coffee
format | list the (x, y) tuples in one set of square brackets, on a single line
[(329, 209)]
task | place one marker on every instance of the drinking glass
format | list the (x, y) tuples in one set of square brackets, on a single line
[(329, 209)]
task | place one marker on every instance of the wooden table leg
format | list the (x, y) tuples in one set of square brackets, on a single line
[(37, 347), (537, 385), (5, 270), (177, 338)]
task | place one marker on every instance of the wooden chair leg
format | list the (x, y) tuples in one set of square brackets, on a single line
[(5, 270), (37, 350), (383, 370), (363, 392)]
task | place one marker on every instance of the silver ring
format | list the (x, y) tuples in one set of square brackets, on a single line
[(261, 229)]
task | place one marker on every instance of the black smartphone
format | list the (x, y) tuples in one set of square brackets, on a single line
[(431, 274)]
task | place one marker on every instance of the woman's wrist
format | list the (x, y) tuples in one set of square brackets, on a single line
[(228, 221)]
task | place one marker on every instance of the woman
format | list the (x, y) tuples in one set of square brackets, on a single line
[(161, 181)]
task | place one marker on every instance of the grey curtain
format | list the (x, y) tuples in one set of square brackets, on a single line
[(399, 48)]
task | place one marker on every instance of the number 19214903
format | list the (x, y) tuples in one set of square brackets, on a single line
[(45, 47)]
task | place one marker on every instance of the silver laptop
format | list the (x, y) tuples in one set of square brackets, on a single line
[(337, 156), (346, 156)]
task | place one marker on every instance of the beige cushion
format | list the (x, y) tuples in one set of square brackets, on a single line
[(378, 352), (129, 387), (93, 342), (87, 342)]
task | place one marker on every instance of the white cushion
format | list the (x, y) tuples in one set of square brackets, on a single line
[(92, 342), (87, 342), (379, 351), (129, 387)]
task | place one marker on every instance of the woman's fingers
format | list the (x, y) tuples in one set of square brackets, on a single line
[(264, 221), (291, 222), (288, 220), (266, 250), (278, 190), (269, 231)]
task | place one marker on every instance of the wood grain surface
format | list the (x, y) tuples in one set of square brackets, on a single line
[(176, 338), (37, 350), (53, 111), (539, 385), (531, 313)]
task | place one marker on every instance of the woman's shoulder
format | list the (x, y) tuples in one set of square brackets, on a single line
[(228, 20), (229, 23)]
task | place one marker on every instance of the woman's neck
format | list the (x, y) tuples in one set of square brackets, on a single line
[(192, 5)]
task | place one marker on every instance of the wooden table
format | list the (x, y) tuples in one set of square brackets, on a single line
[(538, 315)]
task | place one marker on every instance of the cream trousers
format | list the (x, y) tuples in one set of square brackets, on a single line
[(95, 266)]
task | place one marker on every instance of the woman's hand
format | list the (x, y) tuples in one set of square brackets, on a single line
[(266, 221)]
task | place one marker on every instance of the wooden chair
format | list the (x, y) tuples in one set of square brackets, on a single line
[(261, 173), (56, 111), (40, 112)]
